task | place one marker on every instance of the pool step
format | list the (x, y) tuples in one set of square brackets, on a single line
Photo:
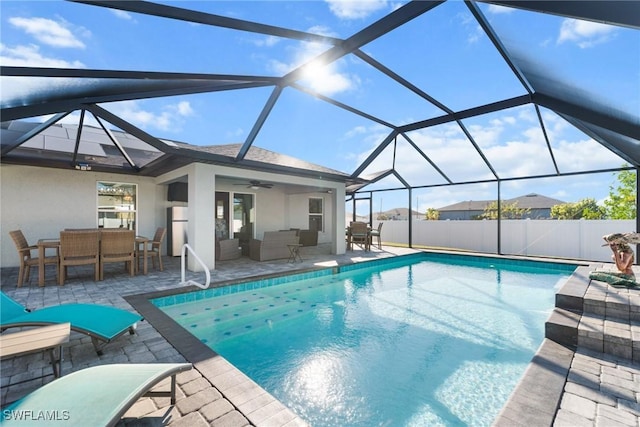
[(596, 316)]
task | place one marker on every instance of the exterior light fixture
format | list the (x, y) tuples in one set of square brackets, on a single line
[(83, 166)]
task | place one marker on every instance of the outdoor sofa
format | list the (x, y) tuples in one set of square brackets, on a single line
[(273, 245)]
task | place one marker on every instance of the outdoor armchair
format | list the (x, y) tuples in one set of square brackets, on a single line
[(101, 322), (154, 248), (360, 234), (26, 260), (228, 249), (376, 233)]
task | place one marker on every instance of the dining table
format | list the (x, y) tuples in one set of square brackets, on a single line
[(142, 240), (54, 243), (43, 245)]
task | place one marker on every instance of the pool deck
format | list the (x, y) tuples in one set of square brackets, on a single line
[(564, 385)]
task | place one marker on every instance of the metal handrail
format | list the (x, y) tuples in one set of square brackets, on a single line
[(183, 268)]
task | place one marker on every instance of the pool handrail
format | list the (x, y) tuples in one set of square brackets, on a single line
[(183, 269)]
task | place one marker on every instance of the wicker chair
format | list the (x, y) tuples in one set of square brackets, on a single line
[(117, 246), (79, 248), (376, 233), (360, 235), (228, 249), (154, 250), (26, 260)]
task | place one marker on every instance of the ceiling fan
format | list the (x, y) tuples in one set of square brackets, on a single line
[(253, 184)]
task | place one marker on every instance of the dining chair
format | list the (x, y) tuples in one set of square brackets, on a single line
[(26, 260), (376, 233), (360, 234), (117, 246), (79, 248), (154, 248)]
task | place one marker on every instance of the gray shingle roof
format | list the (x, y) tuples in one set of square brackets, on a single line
[(532, 201), (262, 155)]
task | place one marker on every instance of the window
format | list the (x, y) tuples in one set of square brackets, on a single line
[(316, 219), (117, 205)]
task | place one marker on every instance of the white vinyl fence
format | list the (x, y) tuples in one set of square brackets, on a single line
[(579, 239)]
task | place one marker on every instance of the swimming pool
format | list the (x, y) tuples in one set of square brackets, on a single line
[(421, 340)]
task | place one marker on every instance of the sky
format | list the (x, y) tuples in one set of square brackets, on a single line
[(443, 52)]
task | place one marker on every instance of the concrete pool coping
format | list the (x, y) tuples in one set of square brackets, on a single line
[(534, 401), (255, 403)]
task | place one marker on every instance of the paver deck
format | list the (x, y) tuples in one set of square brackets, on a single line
[(593, 388)]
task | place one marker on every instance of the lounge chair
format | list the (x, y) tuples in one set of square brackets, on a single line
[(95, 396), (102, 323)]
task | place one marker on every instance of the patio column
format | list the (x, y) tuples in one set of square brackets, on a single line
[(201, 226), (339, 214)]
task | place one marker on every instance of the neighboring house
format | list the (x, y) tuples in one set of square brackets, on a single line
[(539, 207), (51, 181), (398, 214)]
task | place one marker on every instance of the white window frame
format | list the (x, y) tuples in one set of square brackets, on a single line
[(316, 214), (123, 208)]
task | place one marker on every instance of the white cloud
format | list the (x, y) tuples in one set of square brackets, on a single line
[(584, 33), (170, 119), (13, 89), (30, 56), (268, 41), (122, 15), (235, 134), (183, 108), (355, 9), (47, 31), (498, 10), (358, 130), (513, 144)]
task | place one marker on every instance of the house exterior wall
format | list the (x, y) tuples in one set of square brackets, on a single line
[(299, 213), (43, 201)]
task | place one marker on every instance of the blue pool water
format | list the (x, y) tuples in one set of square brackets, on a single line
[(414, 342)]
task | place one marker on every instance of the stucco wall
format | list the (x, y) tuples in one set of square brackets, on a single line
[(299, 213), (43, 201)]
